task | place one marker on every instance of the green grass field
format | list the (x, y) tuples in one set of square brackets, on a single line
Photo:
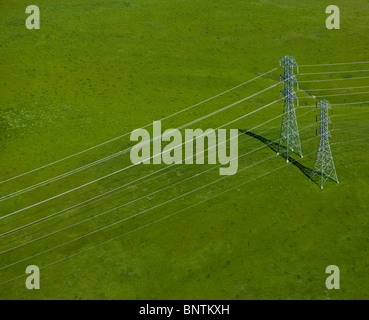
[(98, 69)]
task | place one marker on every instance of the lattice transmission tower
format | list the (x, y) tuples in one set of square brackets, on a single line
[(324, 165), (289, 136)]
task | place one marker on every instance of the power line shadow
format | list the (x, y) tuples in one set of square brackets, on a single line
[(283, 153)]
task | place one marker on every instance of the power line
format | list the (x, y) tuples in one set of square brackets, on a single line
[(346, 114), (347, 141), (337, 104), (132, 201), (141, 212), (344, 94), (310, 81), (135, 215), (66, 174), (336, 95), (334, 64), (146, 225), (116, 189), (352, 103), (332, 72), (125, 185), (123, 205), (330, 89), (358, 126), (123, 169), (121, 136), (108, 192)]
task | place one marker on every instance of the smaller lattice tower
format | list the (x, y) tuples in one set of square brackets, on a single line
[(324, 165)]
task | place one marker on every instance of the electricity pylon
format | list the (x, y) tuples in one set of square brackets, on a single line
[(324, 164), (289, 135)]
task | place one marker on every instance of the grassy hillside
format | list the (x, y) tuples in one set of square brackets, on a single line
[(99, 69)]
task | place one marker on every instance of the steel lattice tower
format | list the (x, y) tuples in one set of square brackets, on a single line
[(289, 136), (324, 164)]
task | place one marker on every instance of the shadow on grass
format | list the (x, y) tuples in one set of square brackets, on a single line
[(283, 153)]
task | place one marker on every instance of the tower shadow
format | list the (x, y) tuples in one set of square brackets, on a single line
[(282, 152)]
